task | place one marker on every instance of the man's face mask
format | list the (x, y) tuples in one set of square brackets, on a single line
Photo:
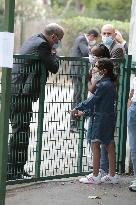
[(56, 45), (92, 43), (107, 40)]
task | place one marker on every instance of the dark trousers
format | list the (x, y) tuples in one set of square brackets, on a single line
[(20, 116), (77, 85)]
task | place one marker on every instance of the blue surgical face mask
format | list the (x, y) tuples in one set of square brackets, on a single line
[(56, 45), (107, 40)]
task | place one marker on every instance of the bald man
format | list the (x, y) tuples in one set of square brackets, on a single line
[(108, 38)]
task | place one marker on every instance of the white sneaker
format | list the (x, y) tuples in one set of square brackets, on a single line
[(132, 187), (110, 180), (90, 179)]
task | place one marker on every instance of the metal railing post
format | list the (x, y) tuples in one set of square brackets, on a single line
[(84, 92), (123, 137), (40, 121), (119, 113), (5, 105)]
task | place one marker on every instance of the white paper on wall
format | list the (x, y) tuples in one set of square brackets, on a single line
[(6, 49)]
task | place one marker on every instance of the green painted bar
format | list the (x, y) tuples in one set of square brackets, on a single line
[(81, 132), (119, 112), (5, 105), (126, 86)]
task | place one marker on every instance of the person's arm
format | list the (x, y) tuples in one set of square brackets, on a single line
[(87, 104), (118, 53), (51, 61), (92, 85)]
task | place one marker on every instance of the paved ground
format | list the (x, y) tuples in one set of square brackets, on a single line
[(71, 192)]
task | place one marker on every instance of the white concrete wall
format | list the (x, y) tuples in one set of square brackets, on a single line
[(131, 51)]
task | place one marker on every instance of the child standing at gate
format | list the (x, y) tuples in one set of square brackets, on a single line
[(103, 121)]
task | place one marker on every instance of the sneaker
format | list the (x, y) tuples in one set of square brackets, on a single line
[(90, 179), (109, 179), (102, 173), (132, 187), (26, 175), (133, 180)]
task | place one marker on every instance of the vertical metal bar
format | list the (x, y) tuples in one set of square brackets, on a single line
[(40, 121), (5, 105), (126, 82), (84, 72), (119, 113)]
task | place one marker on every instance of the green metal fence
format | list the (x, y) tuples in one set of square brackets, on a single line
[(53, 151)]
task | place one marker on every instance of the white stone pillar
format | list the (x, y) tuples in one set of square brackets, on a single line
[(131, 51)]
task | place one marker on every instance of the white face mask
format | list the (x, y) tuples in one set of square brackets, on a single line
[(96, 76), (92, 43), (92, 59), (56, 45)]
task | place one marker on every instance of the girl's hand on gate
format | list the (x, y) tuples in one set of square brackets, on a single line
[(73, 112), (79, 114)]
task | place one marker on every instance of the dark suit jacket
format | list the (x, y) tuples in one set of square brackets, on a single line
[(25, 78), (79, 49), (116, 50)]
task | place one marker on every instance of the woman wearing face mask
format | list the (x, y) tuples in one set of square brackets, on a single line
[(97, 52), (103, 122)]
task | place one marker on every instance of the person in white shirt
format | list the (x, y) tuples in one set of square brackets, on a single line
[(132, 129)]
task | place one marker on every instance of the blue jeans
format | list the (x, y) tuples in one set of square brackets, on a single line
[(104, 162), (132, 133)]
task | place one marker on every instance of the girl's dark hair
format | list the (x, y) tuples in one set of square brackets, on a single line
[(104, 50), (107, 64)]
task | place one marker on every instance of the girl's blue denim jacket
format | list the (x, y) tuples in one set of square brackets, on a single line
[(101, 101)]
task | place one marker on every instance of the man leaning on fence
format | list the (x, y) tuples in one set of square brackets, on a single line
[(25, 89)]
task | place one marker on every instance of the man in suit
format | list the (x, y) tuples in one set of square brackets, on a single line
[(81, 48), (25, 88), (108, 38)]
